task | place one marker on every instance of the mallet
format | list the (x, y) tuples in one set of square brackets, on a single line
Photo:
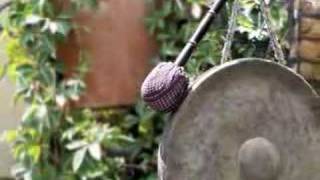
[(166, 86)]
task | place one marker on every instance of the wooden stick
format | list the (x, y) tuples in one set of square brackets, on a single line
[(199, 33)]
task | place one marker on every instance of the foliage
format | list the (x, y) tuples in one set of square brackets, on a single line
[(176, 21), (55, 141)]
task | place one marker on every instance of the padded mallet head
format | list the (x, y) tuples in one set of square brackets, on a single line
[(165, 87)]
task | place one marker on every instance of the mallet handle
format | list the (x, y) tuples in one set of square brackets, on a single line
[(199, 33)]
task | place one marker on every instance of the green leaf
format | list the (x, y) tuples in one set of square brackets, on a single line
[(33, 20), (41, 4), (78, 158), (27, 175), (18, 169), (29, 114), (64, 28), (53, 27), (42, 111), (35, 152), (10, 136), (95, 151), (3, 70), (76, 145)]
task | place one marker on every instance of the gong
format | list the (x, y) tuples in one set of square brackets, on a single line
[(250, 119)]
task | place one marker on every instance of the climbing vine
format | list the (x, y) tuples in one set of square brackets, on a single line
[(55, 141)]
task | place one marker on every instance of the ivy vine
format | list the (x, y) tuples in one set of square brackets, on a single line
[(53, 141)]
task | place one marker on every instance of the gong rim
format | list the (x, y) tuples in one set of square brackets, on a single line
[(198, 89)]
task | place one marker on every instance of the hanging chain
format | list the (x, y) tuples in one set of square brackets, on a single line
[(278, 53), (226, 52), (265, 9)]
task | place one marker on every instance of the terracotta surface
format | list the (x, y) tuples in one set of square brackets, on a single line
[(310, 6), (306, 38), (120, 50), (310, 27), (309, 50), (310, 70)]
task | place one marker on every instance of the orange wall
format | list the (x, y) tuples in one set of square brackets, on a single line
[(120, 51)]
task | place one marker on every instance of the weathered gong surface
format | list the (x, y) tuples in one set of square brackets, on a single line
[(246, 120)]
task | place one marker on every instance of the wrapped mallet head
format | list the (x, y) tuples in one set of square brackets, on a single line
[(165, 87)]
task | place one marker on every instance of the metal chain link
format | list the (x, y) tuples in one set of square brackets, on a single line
[(275, 44), (226, 52)]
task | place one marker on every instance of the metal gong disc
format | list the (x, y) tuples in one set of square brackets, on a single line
[(250, 119)]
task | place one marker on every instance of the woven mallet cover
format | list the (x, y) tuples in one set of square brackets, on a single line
[(165, 87)]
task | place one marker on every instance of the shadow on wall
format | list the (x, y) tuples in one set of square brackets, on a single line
[(9, 117)]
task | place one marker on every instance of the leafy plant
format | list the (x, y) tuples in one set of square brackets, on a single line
[(177, 20), (54, 141)]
